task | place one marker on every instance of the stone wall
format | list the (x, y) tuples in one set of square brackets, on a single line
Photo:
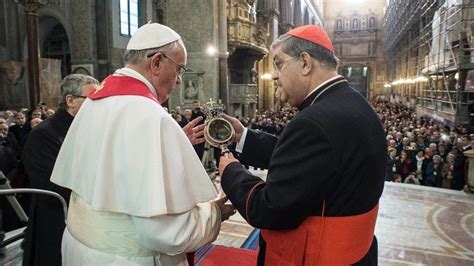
[(357, 33), (196, 22), (83, 39), (13, 71)]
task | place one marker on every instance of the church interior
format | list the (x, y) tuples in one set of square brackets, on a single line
[(411, 60)]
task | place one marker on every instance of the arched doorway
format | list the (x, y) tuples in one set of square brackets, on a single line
[(55, 58), (358, 77), (54, 42)]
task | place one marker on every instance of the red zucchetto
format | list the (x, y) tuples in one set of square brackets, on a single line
[(314, 34)]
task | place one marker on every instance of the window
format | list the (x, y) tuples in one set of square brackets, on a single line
[(128, 17)]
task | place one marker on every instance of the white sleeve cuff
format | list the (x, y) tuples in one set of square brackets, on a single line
[(240, 146)]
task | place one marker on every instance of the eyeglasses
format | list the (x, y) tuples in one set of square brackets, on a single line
[(79, 96), (278, 64), (182, 68)]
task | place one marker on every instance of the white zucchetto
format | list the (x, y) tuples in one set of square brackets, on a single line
[(152, 35)]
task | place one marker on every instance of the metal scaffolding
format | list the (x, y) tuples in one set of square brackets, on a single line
[(429, 47)]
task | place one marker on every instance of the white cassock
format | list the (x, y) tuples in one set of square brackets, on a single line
[(140, 194)]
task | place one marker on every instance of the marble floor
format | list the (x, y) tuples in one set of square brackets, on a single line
[(416, 226), (420, 225)]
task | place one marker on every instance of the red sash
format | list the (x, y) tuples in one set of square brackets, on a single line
[(122, 85), (322, 241)]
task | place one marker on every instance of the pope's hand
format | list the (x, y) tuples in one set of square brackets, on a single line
[(227, 210), (238, 127), (195, 133), (226, 159)]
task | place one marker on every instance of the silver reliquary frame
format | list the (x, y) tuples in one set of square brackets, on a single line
[(218, 131)]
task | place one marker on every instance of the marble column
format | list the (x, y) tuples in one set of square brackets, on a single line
[(31, 10), (83, 40)]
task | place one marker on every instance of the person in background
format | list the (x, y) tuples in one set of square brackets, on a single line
[(46, 216), (459, 172), (447, 172), (35, 122), (20, 129), (433, 172), (197, 112), (37, 113), (187, 115), (411, 179), (50, 112)]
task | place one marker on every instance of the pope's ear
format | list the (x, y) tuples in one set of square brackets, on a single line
[(156, 61)]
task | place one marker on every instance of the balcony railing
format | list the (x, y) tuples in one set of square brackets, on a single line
[(243, 29)]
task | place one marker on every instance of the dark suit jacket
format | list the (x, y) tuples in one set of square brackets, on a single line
[(183, 122), (11, 142), (8, 160), (20, 132), (332, 151), (199, 148), (459, 170), (46, 217)]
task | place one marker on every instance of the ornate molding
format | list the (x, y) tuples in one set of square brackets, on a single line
[(355, 23), (57, 3), (242, 28), (32, 6)]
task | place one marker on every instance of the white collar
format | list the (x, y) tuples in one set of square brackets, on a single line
[(134, 74), (322, 84)]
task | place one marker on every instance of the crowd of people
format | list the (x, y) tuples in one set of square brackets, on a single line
[(270, 121), (421, 150), (14, 129)]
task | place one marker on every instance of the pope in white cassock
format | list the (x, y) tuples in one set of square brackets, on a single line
[(139, 192)]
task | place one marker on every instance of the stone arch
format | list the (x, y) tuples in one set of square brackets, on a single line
[(355, 22), (372, 22), (46, 12), (54, 42), (56, 13), (339, 24)]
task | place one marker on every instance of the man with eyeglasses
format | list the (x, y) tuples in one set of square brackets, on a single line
[(140, 195), (46, 216), (318, 205)]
